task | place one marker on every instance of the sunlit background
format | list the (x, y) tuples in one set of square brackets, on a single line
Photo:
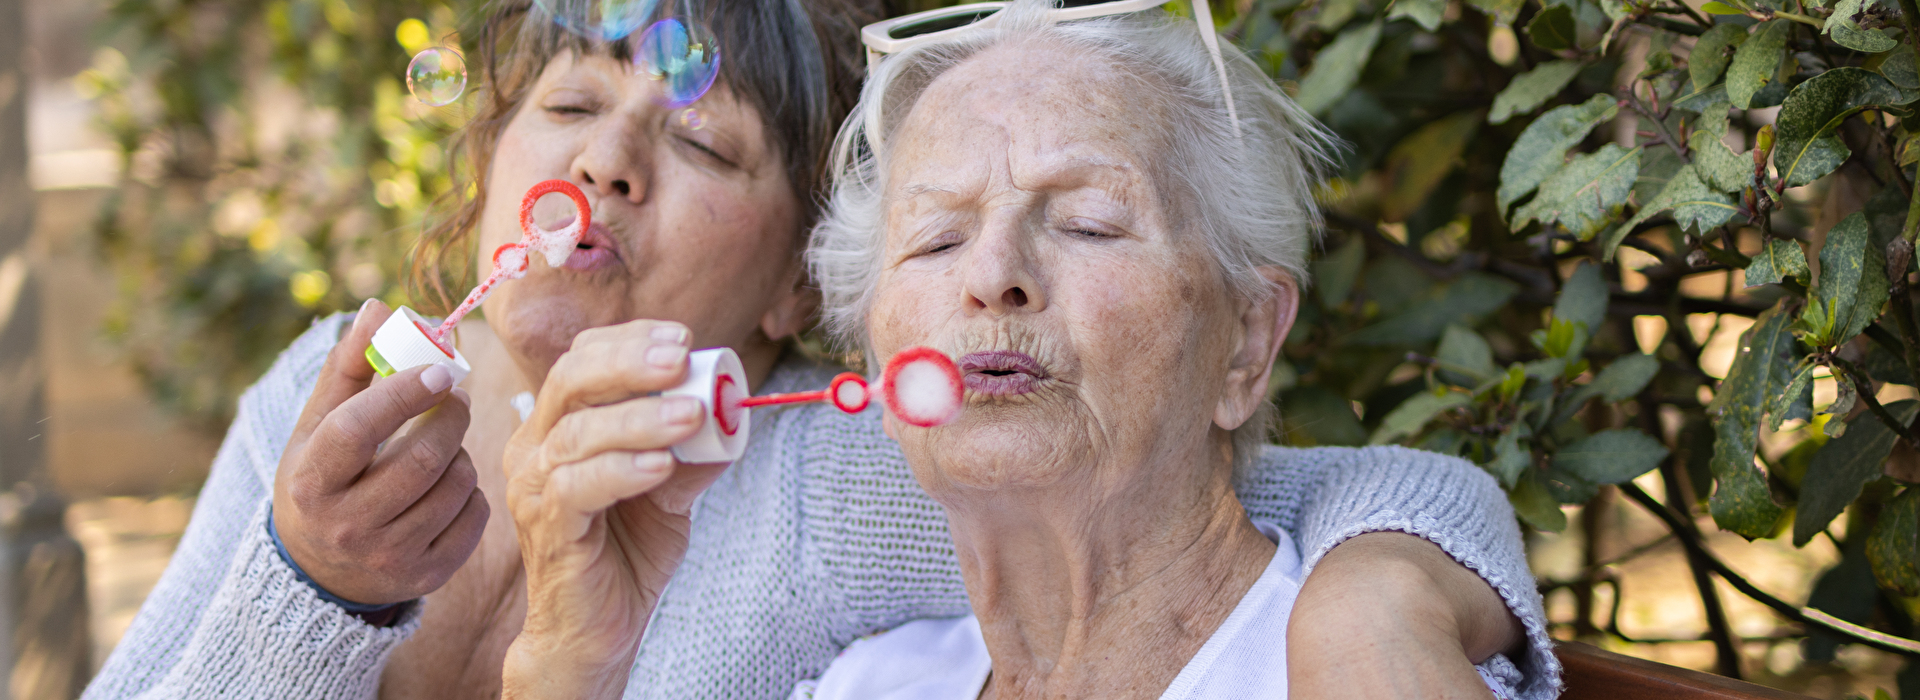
[(288, 126)]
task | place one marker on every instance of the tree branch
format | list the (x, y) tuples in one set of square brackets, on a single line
[(1811, 617)]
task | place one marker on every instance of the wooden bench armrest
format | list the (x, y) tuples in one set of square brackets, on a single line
[(1595, 674)]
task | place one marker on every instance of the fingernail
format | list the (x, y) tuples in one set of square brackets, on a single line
[(679, 409), (436, 379), (461, 394), (652, 462), (670, 334), (665, 356), (360, 317)]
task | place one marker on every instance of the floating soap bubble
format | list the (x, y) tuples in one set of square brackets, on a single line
[(599, 20), (691, 119), (437, 76), (685, 56)]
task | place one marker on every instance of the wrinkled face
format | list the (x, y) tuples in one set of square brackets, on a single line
[(698, 226), (1029, 234)]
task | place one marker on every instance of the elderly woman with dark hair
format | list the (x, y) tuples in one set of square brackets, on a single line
[(1106, 224)]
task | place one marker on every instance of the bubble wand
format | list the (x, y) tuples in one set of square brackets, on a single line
[(920, 386), (406, 340)]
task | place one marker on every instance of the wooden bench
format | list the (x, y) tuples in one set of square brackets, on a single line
[(1596, 674)]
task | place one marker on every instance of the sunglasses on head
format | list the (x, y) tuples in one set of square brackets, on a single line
[(905, 32)]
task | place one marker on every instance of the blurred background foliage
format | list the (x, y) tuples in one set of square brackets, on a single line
[(275, 170), (1607, 249)]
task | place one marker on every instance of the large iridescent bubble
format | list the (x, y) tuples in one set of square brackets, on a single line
[(600, 20), (686, 56), (437, 76)]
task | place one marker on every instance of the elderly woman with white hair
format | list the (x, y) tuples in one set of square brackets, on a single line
[(1111, 246), (1104, 217)]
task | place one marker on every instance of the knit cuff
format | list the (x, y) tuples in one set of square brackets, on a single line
[(374, 614), (267, 634), (1459, 508)]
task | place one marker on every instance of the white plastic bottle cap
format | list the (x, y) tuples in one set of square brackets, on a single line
[(402, 343), (715, 377)]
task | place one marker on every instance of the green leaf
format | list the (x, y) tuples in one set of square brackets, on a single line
[(1782, 404), (1842, 467), (1470, 296), (1313, 415), (1510, 458), (1542, 146), (1624, 378), (1807, 144), (1696, 207), (1853, 280), (1742, 501), (1780, 259), (1553, 29), (1897, 66), (1336, 68), (1584, 298), (1336, 272), (1412, 415), (1894, 547), (1536, 506), (1713, 51), (1721, 8), (1843, 26), (1723, 170), (1464, 352), (1418, 163), (1611, 456), (1584, 195), (1531, 89), (1426, 13), (1756, 61), (1502, 11)]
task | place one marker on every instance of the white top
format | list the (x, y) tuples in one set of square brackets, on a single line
[(946, 659)]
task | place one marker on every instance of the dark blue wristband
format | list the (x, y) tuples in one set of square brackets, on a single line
[(361, 610)]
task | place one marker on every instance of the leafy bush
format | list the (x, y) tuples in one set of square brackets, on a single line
[(1545, 209), (275, 169)]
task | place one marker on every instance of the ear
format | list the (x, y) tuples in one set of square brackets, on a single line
[(1263, 329), (791, 310)]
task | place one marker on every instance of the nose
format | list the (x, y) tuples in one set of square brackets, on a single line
[(613, 160), (1000, 271)]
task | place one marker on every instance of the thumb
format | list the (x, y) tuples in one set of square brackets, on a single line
[(347, 371)]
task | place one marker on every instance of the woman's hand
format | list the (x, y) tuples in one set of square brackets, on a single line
[(370, 514), (601, 507), (1389, 615)]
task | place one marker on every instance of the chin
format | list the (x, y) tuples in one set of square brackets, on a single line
[(984, 452)]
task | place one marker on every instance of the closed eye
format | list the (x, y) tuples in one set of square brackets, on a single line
[(708, 152)]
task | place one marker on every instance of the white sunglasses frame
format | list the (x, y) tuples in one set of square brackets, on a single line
[(880, 42)]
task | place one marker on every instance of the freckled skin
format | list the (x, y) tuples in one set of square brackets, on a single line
[(1095, 519), (679, 230)]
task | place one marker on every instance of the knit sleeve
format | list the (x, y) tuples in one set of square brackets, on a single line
[(1453, 504), (228, 618)]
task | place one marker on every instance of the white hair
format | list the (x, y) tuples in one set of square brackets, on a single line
[(1251, 194)]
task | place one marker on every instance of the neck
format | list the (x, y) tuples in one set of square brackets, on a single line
[(1099, 591)]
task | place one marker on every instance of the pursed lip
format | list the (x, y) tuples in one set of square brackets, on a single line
[(595, 250), (1001, 372)]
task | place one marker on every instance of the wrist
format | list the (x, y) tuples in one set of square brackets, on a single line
[(538, 668), (377, 615)]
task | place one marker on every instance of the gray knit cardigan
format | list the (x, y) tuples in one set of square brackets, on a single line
[(817, 536)]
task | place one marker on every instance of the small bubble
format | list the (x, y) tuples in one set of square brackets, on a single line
[(599, 20), (691, 119), (437, 76)]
